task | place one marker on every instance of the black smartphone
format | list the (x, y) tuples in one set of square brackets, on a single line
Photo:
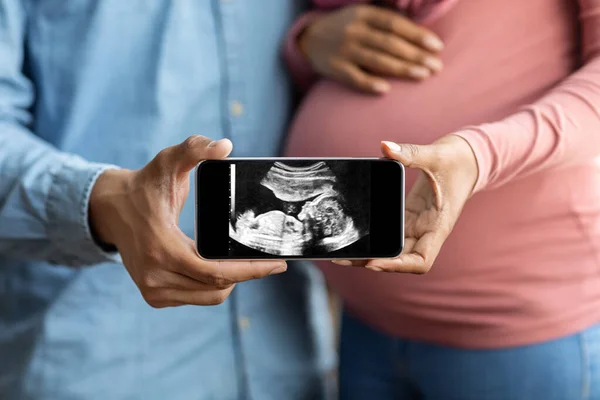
[(299, 208)]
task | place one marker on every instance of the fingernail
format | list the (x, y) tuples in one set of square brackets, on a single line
[(213, 143), (375, 268), (344, 263), (433, 43), (419, 72), (395, 147), (433, 63), (381, 87), (278, 270)]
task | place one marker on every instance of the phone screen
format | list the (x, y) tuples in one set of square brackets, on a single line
[(299, 208)]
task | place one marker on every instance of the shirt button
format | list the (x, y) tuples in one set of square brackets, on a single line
[(236, 108), (244, 323)]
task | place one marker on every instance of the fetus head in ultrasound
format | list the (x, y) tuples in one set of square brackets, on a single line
[(324, 217), (296, 210)]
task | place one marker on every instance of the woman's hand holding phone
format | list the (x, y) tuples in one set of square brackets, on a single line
[(448, 175), (138, 211), (360, 44)]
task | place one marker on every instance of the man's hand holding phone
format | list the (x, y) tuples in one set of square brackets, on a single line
[(138, 211)]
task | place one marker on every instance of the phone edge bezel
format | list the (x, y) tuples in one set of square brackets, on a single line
[(402, 211)]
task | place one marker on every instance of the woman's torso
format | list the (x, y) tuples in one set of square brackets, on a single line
[(522, 263)]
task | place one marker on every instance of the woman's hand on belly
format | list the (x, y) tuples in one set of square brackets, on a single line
[(448, 175), (359, 44)]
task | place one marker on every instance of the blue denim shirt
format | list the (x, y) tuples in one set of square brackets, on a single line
[(90, 83)]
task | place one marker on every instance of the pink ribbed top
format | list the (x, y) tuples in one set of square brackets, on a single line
[(521, 83)]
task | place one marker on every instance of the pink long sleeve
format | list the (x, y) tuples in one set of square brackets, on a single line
[(298, 65), (563, 127)]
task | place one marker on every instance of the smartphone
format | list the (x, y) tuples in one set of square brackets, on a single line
[(299, 208)]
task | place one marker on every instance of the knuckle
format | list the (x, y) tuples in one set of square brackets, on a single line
[(392, 25), (350, 31), (154, 255), (218, 281), (150, 280), (256, 275), (163, 153), (427, 267), (417, 56), (217, 298), (155, 304), (359, 12), (412, 149), (409, 53), (385, 41), (357, 80), (418, 35), (222, 284), (162, 157), (366, 84), (371, 57), (400, 69), (190, 142), (147, 281), (427, 264), (422, 269), (376, 60), (153, 299)]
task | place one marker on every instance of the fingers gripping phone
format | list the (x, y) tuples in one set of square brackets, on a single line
[(299, 208)]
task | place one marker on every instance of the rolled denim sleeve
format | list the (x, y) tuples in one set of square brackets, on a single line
[(44, 193)]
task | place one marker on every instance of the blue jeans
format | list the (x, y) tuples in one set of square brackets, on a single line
[(376, 366)]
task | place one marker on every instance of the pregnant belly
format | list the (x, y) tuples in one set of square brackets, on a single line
[(336, 121)]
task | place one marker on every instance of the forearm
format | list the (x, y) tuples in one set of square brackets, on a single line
[(44, 197), (560, 129), (44, 193)]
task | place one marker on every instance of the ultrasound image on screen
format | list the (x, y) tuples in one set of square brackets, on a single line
[(299, 208)]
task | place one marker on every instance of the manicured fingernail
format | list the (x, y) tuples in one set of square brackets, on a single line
[(395, 147), (375, 268), (419, 72), (278, 270), (344, 263), (433, 63), (433, 43), (381, 87)]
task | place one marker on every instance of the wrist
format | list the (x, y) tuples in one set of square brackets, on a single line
[(463, 159), (109, 188), (301, 44), (302, 34)]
